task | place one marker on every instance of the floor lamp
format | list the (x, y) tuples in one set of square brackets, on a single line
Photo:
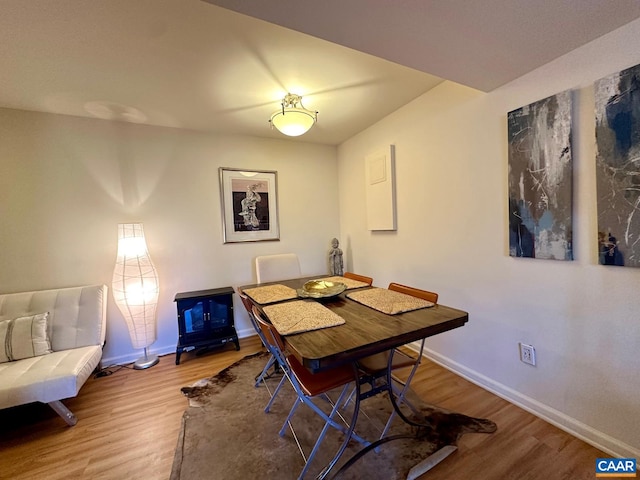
[(135, 289)]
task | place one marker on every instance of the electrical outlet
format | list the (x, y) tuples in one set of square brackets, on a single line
[(527, 354)]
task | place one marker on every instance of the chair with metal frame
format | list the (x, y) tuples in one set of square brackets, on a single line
[(271, 268), (311, 386), (272, 362), (360, 278), (376, 366)]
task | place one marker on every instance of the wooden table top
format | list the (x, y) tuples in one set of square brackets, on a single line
[(366, 331)]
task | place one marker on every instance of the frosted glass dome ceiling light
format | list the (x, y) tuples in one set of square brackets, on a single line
[(293, 120)]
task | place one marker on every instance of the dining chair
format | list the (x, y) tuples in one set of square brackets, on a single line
[(360, 278), (311, 388), (283, 266), (375, 366), (272, 361)]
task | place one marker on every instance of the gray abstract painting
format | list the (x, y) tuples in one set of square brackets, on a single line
[(540, 179), (618, 167)]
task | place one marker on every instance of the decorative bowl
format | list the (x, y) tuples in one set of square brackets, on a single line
[(321, 289)]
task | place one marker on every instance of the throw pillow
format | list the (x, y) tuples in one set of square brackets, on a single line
[(24, 337)]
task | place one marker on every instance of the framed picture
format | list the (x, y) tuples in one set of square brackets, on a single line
[(249, 200)]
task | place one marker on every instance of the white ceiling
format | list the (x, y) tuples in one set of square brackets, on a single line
[(479, 43), (190, 64)]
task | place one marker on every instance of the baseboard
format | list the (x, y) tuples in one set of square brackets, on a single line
[(158, 350), (584, 432)]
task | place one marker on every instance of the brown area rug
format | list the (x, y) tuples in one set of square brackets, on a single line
[(226, 434)]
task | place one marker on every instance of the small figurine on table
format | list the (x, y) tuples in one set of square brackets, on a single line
[(335, 258)]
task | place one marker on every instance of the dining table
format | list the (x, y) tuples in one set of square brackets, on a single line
[(364, 331)]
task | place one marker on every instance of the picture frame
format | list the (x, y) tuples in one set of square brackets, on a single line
[(249, 201)]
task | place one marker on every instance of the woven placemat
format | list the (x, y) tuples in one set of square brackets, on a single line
[(349, 282), (388, 301), (301, 316), (271, 293)]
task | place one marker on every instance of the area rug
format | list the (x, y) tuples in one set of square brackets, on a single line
[(226, 435)]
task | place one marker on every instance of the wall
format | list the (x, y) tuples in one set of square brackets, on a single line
[(66, 182), (451, 166)]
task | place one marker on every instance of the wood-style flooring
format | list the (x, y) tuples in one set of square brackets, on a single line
[(128, 426)]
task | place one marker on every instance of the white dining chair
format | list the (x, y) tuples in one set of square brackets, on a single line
[(283, 266)]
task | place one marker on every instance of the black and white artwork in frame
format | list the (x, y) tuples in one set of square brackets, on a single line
[(249, 205)]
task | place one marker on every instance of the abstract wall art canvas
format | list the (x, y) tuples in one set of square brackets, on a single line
[(540, 179), (617, 100)]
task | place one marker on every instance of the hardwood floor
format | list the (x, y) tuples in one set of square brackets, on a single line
[(128, 426), (524, 447)]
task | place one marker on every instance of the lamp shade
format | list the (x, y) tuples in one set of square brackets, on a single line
[(135, 285), (293, 119)]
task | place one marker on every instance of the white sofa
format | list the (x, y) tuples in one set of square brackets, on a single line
[(76, 327)]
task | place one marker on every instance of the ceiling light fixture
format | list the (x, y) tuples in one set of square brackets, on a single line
[(293, 120)]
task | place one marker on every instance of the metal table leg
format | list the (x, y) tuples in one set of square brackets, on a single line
[(418, 469), (356, 409)]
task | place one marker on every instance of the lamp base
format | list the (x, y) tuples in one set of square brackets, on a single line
[(146, 362)]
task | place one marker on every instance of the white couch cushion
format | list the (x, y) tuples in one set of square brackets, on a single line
[(24, 337), (47, 378), (77, 315)]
